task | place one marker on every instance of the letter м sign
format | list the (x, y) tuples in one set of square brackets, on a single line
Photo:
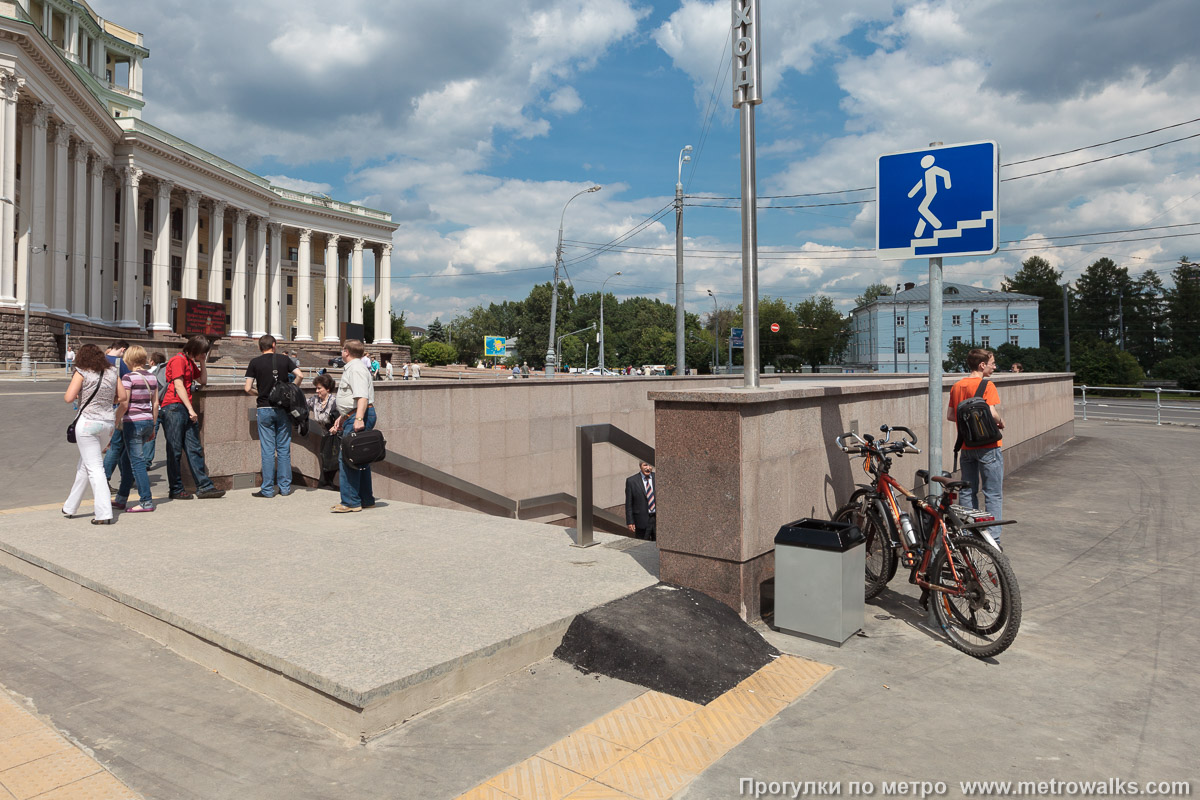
[(938, 201)]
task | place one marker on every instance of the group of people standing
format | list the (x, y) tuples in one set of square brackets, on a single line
[(123, 397)]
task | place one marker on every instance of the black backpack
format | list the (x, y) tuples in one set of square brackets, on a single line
[(976, 425), (289, 397)]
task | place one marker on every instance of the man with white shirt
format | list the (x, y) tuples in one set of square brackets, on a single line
[(640, 508)]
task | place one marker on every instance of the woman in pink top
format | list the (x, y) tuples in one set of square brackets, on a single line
[(138, 428)]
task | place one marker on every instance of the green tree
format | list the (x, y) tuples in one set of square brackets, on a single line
[(1183, 309), (872, 293), (1037, 278), (436, 332), (533, 321), (777, 347), (824, 332), (1100, 295), (1186, 371), (438, 353), (1102, 363), (956, 357), (400, 332), (368, 319), (1032, 359), (1146, 331)]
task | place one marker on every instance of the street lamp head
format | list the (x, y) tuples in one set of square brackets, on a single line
[(687, 148), (594, 189)]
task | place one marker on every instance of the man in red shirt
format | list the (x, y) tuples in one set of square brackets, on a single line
[(982, 467), (181, 423)]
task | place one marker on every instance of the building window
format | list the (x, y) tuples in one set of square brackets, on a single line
[(956, 319), (228, 273), (900, 345), (926, 320), (926, 344), (293, 253), (1014, 341), (955, 340), (289, 281), (1012, 319), (148, 220), (228, 295), (201, 247), (147, 266), (984, 319), (899, 322), (177, 273), (289, 299), (228, 244), (985, 342), (177, 224)]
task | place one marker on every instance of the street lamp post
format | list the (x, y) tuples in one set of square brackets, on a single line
[(551, 358), (716, 333), (680, 358), (572, 333), (974, 311), (606, 280), (26, 360)]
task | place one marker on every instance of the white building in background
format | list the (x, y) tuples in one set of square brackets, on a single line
[(891, 334), (114, 219)]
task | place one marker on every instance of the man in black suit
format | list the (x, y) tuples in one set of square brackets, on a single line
[(640, 512)]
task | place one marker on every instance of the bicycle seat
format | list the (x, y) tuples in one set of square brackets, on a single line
[(950, 483)]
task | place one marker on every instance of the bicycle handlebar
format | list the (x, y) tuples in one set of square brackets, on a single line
[(860, 444)]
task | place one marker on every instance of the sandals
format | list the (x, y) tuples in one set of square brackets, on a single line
[(109, 521)]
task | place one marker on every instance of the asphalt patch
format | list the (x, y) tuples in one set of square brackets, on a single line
[(670, 639)]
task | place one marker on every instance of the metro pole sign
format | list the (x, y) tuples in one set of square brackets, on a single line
[(938, 201)]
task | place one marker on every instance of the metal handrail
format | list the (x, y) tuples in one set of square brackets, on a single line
[(1158, 390), (585, 437)]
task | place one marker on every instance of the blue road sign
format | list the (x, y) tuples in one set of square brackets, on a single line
[(66, 329), (938, 201), (493, 346), (735, 338)]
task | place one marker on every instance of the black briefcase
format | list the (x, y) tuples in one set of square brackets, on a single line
[(331, 448), (365, 447)]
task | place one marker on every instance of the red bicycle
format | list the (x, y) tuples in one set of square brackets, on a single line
[(950, 555)]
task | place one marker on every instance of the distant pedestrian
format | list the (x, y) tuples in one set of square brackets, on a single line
[(416, 371), (406, 371), (641, 509), (181, 422), (516, 371), (137, 428), (525, 370), (96, 385), (387, 366), (1016, 367), (274, 423), (70, 359), (356, 412)]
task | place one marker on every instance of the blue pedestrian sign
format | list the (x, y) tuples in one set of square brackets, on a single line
[(938, 201), (736, 339)]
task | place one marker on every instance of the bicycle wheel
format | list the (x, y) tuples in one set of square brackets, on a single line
[(880, 560), (984, 621)]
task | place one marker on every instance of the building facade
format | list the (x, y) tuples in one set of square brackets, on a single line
[(107, 220), (891, 334)]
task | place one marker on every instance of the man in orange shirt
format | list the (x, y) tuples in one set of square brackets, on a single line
[(982, 467)]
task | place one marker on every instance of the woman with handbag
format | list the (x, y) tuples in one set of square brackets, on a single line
[(96, 381), (138, 427)]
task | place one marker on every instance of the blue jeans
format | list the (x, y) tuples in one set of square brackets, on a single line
[(149, 446), (115, 454), (133, 462), (984, 470), (355, 482), (275, 441), (183, 436)]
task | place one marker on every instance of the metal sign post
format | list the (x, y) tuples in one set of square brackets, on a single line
[(747, 93), (938, 201)]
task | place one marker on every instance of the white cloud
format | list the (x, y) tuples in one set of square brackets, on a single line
[(565, 101)]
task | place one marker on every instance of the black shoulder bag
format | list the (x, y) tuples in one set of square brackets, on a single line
[(71, 427)]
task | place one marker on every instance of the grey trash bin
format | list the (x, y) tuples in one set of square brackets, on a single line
[(819, 568)]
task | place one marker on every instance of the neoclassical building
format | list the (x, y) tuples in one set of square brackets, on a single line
[(107, 221)]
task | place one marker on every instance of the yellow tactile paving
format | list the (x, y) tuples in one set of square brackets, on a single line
[(84, 507), (36, 762), (662, 707), (626, 728), (585, 753), (538, 779), (654, 745), (645, 778)]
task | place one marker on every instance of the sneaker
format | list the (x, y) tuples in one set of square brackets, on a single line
[(211, 494), (184, 495), (142, 507), (119, 505), (260, 494), (341, 509)]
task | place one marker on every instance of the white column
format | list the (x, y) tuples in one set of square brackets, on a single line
[(108, 249), (72, 33), (258, 303), (332, 332), (160, 277), (383, 298), (356, 284), (79, 198), (10, 86), (35, 211), (275, 322), (237, 307), (129, 279), (96, 309), (216, 253), (191, 246), (60, 254), (304, 287)]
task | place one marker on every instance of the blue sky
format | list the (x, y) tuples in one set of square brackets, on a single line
[(474, 122)]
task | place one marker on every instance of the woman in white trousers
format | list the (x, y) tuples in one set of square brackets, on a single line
[(96, 387)]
